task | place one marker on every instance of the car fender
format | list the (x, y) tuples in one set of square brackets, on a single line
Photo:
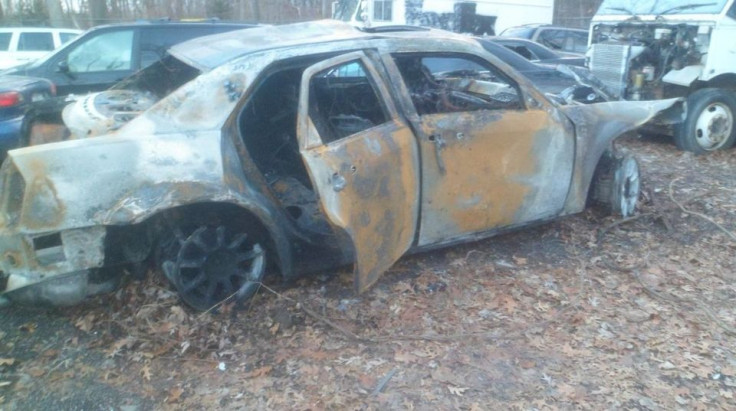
[(596, 127)]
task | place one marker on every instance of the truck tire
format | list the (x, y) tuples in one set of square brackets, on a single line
[(616, 184), (709, 125)]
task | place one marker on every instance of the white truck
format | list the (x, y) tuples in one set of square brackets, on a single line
[(477, 17), (656, 49)]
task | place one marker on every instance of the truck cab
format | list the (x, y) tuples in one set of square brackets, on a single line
[(644, 50)]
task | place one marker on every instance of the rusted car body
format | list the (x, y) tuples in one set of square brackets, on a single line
[(299, 148)]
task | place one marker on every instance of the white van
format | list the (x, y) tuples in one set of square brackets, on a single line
[(20, 45)]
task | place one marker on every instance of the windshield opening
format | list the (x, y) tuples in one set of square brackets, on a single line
[(660, 7)]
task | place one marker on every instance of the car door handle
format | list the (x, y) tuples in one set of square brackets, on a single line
[(439, 144)]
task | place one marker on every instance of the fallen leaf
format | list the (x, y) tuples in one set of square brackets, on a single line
[(5, 383), (505, 302), (36, 372), (174, 395), (164, 348), (85, 323), (7, 361), (403, 356), (146, 372), (28, 327), (527, 364), (367, 381), (403, 287), (459, 391), (258, 372)]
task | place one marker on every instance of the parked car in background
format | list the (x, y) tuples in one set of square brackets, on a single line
[(299, 148), (17, 96), (565, 84), (97, 60), (104, 55), (563, 39), (21, 45), (538, 53)]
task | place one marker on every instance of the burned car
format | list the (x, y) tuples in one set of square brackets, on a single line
[(297, 148)]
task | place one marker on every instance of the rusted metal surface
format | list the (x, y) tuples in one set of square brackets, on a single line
[(410, 182), (367, 183), (498, 166), (368, 186)]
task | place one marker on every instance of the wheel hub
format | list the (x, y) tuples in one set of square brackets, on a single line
[(212, 266), (714, 126), (219, 264)]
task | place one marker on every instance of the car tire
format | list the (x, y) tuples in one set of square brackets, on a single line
[(616, 184), (215, 264), (709, 125)]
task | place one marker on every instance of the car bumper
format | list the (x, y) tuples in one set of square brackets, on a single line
[(54, 269)]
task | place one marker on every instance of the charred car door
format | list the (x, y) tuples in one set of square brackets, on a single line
[(362, 159), (488, 162)]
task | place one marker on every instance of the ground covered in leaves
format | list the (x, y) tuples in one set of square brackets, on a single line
[(586, 312)]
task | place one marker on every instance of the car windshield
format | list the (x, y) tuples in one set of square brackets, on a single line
[(542, 52), (507, 56), (521, 32), (660, 7)]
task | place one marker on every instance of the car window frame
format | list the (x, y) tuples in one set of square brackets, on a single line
[(23, 35), (132, 66), (521, 95), (378, 82), (62, 55)]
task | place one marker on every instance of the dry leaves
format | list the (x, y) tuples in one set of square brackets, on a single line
[(536, 319)]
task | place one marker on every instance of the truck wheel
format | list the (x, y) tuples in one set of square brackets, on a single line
[(616, 184), (709, 125), (216, 264)]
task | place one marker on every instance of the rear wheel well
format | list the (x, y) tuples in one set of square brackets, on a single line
[(140, 243)]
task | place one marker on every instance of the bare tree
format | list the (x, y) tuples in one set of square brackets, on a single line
[(56, 14), (97, 11), (255, 10)]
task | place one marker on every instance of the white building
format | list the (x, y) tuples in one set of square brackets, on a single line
[(444, 13)]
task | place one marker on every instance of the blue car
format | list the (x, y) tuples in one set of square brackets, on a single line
[(19, 95)]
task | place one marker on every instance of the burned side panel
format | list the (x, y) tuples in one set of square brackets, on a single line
[(58, 199), (596, 126), (486, 170)]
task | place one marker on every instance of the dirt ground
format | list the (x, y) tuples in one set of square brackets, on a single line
[(588, 312)]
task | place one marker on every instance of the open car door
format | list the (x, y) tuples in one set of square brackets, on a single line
[(362, 159)]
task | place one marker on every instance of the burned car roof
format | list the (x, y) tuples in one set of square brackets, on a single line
[(209, 52), (303, 153)]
